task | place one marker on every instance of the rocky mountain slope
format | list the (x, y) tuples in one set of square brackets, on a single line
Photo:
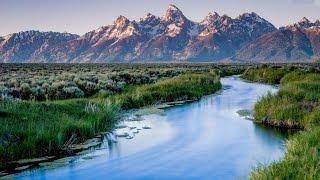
[(300, 41), (29, 46), (167, 38)]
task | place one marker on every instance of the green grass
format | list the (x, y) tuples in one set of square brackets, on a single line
[(296, 105), (31, 129), (183, 87), (301, 161), (298, 99), (265, 74), (34, 129)]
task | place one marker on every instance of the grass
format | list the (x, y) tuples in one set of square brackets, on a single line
[(31, 129), (265, 74), (34, 129), (183, 87), (301, 161), (296, 105)]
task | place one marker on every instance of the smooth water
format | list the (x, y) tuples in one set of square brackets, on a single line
[(201, 140)]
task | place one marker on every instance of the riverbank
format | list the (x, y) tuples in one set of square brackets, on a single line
[(296, 105), (33, 129)]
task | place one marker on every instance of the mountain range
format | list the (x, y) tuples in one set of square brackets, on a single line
[(172, 37)]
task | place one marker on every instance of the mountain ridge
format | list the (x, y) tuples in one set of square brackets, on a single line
[(170, 37), (299, 41)]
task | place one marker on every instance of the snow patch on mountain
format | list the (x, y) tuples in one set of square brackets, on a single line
[(173, 30)]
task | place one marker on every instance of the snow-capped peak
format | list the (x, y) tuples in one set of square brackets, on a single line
[(147, 16), (151, 24), (7, 37), (150, 20), (121, 21), (174, 14), (4, 39), (210, 18)]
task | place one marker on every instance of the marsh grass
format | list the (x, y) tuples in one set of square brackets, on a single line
[(301, 160), (297, 100), (265, 74), (35, 129), (182, 87), (296, 105)]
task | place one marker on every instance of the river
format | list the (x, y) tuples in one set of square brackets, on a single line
[(206, 139)]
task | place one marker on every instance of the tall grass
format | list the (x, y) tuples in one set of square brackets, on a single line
[(297, 100), (182, 87), (265, 74), (35, 129), (301, 160), (296, 105)]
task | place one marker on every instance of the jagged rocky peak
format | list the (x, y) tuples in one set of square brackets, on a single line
[(226, 20), (212, 17), (124, 28), (122, 21), (149, 19), (304, 23), (2, 40), (248, 15), (174, 15), (25, 35), (16, 37), (252, 17), (304, 20)]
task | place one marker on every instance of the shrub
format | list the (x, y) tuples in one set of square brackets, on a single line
[(25, 91), (38, 93), (72, 92), (90, 88)]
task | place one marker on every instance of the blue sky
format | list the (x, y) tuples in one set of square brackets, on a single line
[(80, 16)]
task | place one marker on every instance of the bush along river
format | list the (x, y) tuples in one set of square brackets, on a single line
[(213, 138)]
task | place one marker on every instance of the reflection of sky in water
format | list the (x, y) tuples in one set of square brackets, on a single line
[(205, 139)]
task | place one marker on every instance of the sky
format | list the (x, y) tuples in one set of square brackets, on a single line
[(81, 16)]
